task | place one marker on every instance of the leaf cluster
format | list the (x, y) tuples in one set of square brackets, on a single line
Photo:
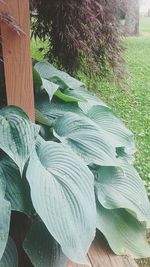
[(71, 173)]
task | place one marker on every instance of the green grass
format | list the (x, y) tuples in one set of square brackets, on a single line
[(145, 24), (132, 102)]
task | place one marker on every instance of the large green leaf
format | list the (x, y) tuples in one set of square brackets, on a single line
[(2, 178), (37, 82), (17, 135), (116, 188), (123, 232), (87, 99), (42, 119), (42, 249), (50, 87), (55, 109), (10, 256), (5, 211), (104, 117), (87, 140), (17, 190), (48, 71), (66, 98), (62, 192)]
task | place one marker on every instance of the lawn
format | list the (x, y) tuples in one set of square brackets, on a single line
[(145, 24), (130, 102)]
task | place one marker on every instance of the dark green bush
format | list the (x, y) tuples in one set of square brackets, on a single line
[(78, 29)]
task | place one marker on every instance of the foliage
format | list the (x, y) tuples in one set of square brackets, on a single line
[(132, 102), (71, 173), (81, 27)]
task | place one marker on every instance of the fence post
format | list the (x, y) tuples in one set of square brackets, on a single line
[(17, 56)]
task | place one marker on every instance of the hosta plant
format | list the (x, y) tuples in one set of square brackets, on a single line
[(71, 173)]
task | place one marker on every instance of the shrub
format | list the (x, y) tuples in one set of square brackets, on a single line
[(77, 29), (70, 173)]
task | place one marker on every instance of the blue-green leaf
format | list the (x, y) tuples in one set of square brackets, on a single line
[(123, 188), (17, 190), (55, 109), (5, 212), (42, 249), (62, 193), (124, 233), (17, 135), (86, 139), (87, 99), (10, 256), (108, 121), (50, 87), (48, 71)]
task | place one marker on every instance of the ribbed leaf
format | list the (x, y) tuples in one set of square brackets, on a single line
[(37, 82), (2, 179), (116, 188), (10, 256), (88, 100), (39, 141), (55, 109), (17, 135), (50, 87), (17, 190), (66, 98), (123, 232), (87, 140), (5, 212), (63, 195), (42, 119), (42, 249), (48, 71), (104, 117)]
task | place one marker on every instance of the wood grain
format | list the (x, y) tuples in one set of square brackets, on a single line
[(100, 255), (17, 57)]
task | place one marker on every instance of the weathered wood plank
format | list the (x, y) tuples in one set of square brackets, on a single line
[(100, 255), (17, 57)]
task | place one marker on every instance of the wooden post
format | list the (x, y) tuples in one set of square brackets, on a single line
[(17, 56), (19, 88)]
